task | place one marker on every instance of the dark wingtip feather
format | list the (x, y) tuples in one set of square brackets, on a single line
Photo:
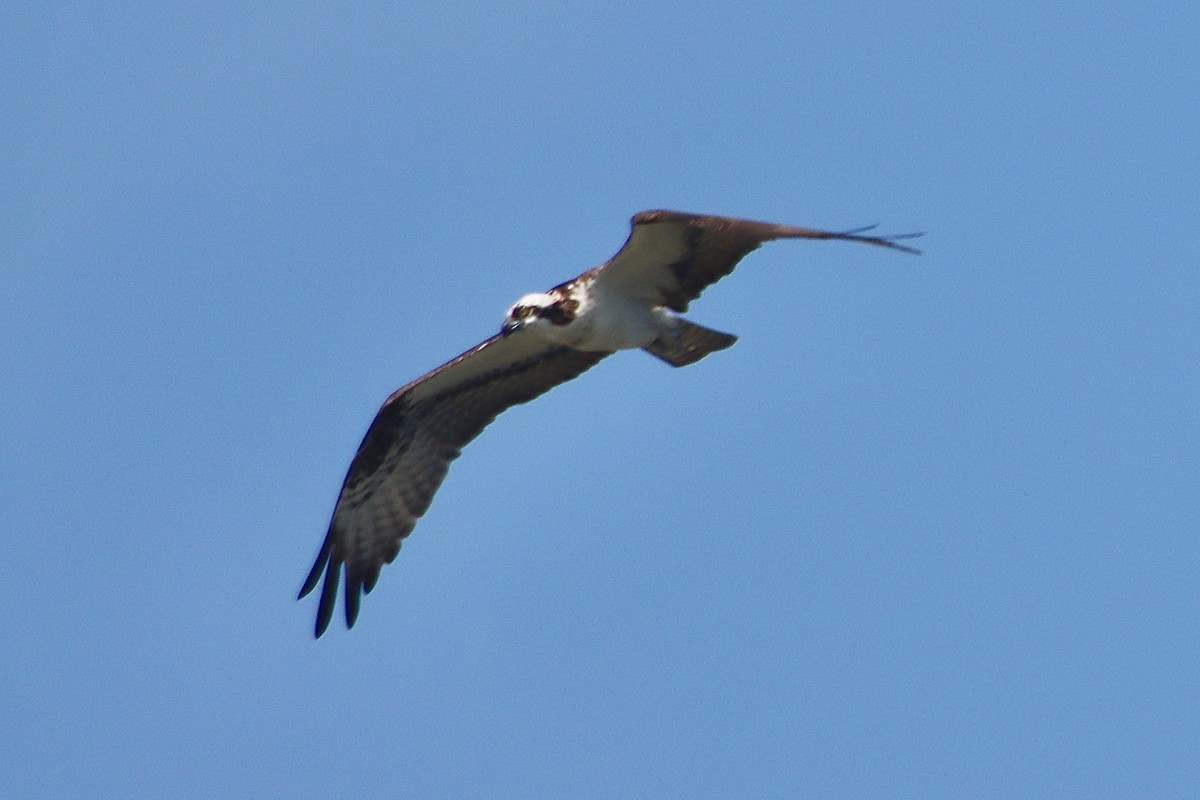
[(892, 241), (353, 597), (318, 566), (370, 579), (328, 599)]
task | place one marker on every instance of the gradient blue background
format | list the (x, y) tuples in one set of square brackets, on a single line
[(928, 530)]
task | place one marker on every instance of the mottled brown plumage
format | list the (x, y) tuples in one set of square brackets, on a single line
[(407, 450)]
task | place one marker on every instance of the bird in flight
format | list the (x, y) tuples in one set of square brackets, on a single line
[(633, 300)]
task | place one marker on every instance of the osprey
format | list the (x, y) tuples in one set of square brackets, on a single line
[(630, 301)]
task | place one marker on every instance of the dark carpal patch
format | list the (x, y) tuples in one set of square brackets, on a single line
[(714, 247), (389, 435)]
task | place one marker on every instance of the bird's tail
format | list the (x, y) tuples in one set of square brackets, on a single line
[(688, 343)]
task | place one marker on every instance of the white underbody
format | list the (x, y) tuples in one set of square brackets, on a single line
[(606, 321)]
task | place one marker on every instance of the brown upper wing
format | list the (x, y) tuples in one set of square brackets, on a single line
[(671, 257), (408, 448)]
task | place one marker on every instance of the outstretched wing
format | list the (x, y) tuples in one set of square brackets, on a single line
[(671, 257), (403, 458)]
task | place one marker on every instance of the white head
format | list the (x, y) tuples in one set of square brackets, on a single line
[(535, 310)]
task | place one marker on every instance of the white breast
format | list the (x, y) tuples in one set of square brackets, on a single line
[(609, 321)]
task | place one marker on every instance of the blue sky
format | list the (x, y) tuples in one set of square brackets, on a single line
[(928, 530)]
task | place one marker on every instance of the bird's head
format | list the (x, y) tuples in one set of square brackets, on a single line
[(531, 311)]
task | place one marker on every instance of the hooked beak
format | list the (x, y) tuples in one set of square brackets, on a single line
[(511, 326)]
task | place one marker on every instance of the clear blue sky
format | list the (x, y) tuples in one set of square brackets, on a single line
[(928, 530)]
